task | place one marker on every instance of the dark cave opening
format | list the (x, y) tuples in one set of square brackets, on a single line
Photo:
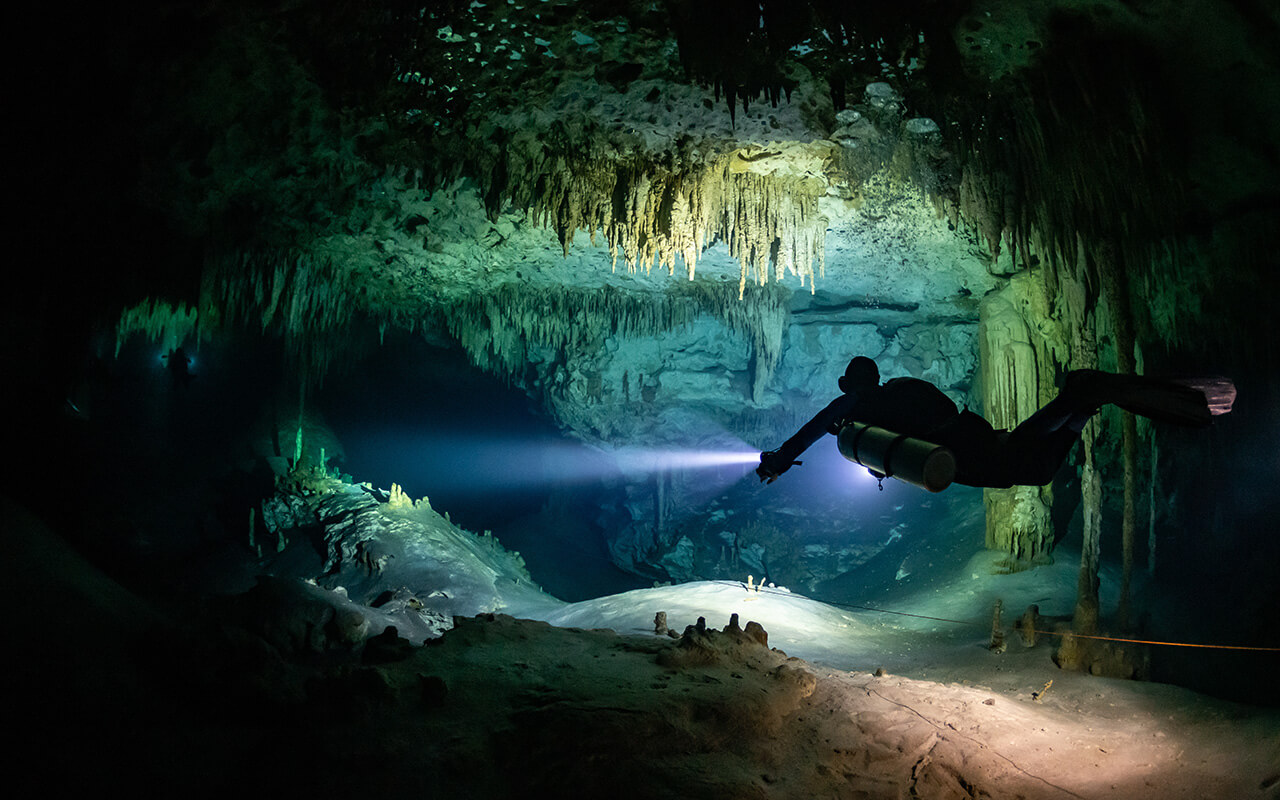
[(422, 416)]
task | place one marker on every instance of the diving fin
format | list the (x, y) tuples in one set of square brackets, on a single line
[(1192, 402)]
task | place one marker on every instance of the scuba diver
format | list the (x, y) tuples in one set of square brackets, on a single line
[(178, 363), (1029, 455)]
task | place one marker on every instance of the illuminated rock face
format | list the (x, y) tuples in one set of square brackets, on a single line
[(304, 163), (549, 156), (1019, 358), (788, 263)]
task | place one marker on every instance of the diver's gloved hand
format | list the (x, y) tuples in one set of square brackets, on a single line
[(773, 464)]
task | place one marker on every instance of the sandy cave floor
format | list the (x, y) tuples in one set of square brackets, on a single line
[(983, 718), (112, 693), (723, 716)]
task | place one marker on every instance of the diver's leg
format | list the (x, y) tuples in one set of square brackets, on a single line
[(1192, 402), (1033, 458), (1035, 450), (1052, 417), (1083, 392)]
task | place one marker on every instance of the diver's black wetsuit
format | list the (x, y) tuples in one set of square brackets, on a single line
[(1029, 455), (903, 405)]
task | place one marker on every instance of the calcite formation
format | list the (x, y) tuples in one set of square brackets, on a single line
[(1020, 352)]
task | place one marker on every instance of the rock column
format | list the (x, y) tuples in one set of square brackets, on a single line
[(1016, 350)]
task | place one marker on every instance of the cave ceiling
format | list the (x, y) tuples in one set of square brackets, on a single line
[(694, 206)]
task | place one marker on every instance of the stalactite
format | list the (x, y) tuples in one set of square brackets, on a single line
[(1076, 307), (762, 203), (1017, 368), (1085, 620), (160, 321), (1129, 520), (1071, 152), (306, 300), (1151, 506), (1117, 298), (288, 290), (499, 328), (1067, 163), (660, 480)]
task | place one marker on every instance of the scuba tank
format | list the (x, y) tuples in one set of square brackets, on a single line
[(893, 455)]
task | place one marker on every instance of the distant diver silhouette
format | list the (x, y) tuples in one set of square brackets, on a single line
[(907, 428), (179, 365)]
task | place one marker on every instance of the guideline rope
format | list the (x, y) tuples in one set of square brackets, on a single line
[(1035, 630)]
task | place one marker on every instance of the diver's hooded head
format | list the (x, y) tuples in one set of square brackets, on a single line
[(861, 374)]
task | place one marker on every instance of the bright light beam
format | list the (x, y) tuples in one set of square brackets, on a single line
[(656, 460), (497, 462)]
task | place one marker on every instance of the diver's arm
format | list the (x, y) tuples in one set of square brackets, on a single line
[(775, 462)]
